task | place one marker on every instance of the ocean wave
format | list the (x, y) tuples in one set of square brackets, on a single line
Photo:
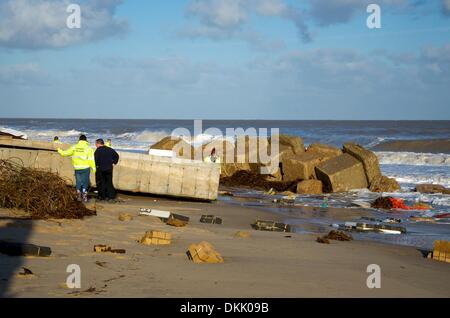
[(150, 136), (412, 158)]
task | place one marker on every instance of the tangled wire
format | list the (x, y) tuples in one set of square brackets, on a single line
[(40, 193)]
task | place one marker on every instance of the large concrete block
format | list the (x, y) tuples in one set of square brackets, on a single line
[(368, 159), (324, 149), (302, 166), (342, 173)]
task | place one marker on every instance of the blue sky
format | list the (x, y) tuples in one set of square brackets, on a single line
[(225, 59)]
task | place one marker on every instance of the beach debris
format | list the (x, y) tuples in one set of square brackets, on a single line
[(338, 236), (384, 184), (204, 252), (256, 181), (322, 240), (101, 264), (154, 212), (441, 251), (211, 219), (432, 188), (271, 191), (302, 166), (177, 220), (362, 204), (387, 220), (366, 227), (156, 238), (243, 234), (25, 273), (100, 248), (271, 226), (125, 217), (42, 194), (226, 193), (23, 249), (390, 203)]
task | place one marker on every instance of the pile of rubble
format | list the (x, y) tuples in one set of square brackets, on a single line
[(316, 169)]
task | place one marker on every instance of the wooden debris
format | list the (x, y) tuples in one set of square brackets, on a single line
[(177, 220), (125, 217), (441, 251), (271, 226), (204, 252), (21, 249), (100, 248), (322, 240), (338, 236), (156, 238), (211, 219), (242, 234)]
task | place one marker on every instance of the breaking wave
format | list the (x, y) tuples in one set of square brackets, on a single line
[(412, 158)]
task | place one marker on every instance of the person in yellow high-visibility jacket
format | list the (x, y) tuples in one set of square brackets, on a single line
[(83, 161)]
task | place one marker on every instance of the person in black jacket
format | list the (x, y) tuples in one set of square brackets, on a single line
[(105, 159)]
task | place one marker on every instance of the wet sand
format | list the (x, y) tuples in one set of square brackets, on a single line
[(425, 146), (266, 264)]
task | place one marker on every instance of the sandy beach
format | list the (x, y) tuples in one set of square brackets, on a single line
[(265, 264)]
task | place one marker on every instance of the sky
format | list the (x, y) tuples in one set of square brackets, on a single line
[(225, 59)]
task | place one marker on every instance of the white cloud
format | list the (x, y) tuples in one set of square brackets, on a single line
[(41, 24)]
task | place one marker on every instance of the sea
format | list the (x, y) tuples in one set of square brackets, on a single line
[(408, 168)]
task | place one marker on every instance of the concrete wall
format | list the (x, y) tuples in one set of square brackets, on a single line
[(135, 172)]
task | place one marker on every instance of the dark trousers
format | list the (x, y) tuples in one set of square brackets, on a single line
[(104, 180)]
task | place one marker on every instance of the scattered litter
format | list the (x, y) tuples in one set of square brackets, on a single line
[(390, 203), (362, 204), (211, 219), (323, 240), (26, 273), (177, 220), (271, 226), (40, 193), (226, 193), (441, 251), (271, 191), (338, 236), (101, 264), (156, 238), (387, 220), (21, 249), (204, 252), (125, 217), (365, 227), (422, 219), (242, 234), (100, 248), (154, 212)]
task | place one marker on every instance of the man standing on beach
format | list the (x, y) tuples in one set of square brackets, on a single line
[(82, 161), (105, 158)]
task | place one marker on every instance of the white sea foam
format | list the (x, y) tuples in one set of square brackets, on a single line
[(412, 158)]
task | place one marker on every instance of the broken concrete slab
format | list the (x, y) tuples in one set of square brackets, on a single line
[(341, 174), (302, 166), (329, 150), (368, 158), (384, 184)]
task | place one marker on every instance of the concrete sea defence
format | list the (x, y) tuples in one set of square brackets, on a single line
[(139, 173)]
